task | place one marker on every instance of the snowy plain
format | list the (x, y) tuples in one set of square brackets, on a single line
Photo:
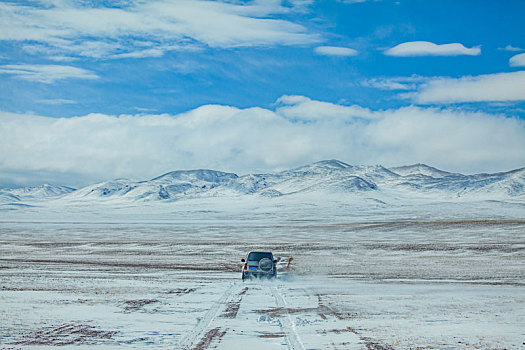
[(373, 267)]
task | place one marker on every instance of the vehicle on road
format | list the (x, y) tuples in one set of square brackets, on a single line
[(259, 264)]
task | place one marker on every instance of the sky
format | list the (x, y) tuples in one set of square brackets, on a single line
[(93, 90)]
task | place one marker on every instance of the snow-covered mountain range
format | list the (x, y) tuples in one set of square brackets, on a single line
[(33, 193), (330, 176)]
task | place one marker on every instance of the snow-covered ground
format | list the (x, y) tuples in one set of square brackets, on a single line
[(369, 258), (168, 276)]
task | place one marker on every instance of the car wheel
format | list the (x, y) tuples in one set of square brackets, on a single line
[(265, 265)]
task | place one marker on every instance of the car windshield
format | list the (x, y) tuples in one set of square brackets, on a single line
[(256, 256)]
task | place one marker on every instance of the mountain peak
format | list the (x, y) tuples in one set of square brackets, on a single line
[(41, 191), (323, 166), (332, 163), (199, 174), (420, 169)]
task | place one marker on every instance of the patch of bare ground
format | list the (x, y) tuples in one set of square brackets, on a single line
[(368, 342), (232, 308), (276, 312), (181, 291), (322, 310), (374, 345), (443, 223), (149, 265), (213, 335), (272, 335), (393, 225), (444, 247), (66, 334), (347, 329), (136, 305), (325, 309)]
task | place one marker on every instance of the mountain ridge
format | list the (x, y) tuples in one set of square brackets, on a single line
[(328, 176)]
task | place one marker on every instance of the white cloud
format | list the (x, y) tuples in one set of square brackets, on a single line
[(335, 51), (425, 48), (56, 101), (147, 28), (518, 60), (46, 73), (498, 87), (303, 109), (482, 88), (299, 131), (388, 85), (157, 52), (510, 48), (395, 83)]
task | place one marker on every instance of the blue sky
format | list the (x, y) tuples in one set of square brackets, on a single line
[(304, 62)]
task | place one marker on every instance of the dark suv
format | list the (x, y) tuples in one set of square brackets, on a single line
[(259, 264)]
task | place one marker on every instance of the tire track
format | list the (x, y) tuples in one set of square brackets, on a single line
[(195, 335), (232, 308), (287, 324)]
